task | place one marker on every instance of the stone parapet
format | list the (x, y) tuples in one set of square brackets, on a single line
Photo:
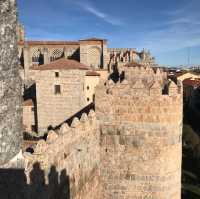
[(141, 134), (75, 150)]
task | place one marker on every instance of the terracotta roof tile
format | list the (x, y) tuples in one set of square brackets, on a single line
[(28, 102), (192, 82), (92, 73), (61, 64), (93, 39)]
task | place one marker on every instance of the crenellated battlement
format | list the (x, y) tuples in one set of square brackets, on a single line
[(141, 127), (73, 148), (140, 80)]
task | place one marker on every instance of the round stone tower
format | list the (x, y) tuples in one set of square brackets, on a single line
[(141, 128), (10, 84)]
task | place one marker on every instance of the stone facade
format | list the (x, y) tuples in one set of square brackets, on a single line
[(10, 84), (77, 91), (73, 151), (92, 52), (54, 108), (131, 147), (92, 79), (29, 120), (141, 128)]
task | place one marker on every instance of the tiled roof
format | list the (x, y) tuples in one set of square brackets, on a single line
[(92, 73), (61, 64), (49, 42), (93, 39), (28, 102), (192, 82)]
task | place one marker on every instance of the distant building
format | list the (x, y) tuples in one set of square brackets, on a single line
[(66, 74), (191, 90), (93, 52), (63, 88), (59, 91), (187, 75), (29, 116)]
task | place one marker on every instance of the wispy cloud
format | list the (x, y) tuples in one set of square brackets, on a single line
[(181, 30), (89, 7)]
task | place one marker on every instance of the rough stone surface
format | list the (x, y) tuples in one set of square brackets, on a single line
[(10, 84), (53, 109), (141, 131), (131, 150), (74, 152)]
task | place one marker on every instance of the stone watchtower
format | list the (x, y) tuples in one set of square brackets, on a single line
[(10, 84), (141, 128)]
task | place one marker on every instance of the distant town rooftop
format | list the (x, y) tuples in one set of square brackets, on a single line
[(192, 82)]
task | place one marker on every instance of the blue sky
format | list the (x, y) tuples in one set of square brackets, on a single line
[(170, 29)]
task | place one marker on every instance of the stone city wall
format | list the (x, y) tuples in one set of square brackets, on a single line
[(74, 152), (141, 131)]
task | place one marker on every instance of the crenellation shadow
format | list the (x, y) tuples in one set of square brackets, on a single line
[(14, 184)]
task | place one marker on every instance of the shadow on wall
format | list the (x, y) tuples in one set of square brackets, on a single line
[(86, 110), (13, 184)]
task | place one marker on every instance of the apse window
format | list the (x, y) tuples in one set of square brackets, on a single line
[(88, 87), (57, 89), (88, 99), (56, 74)]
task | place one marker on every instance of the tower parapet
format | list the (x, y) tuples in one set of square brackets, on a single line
[(141, 128)]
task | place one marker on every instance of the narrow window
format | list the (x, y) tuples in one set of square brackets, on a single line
[(88, 99), (88, 87), (93, 98), (57, 90), (56, 74)]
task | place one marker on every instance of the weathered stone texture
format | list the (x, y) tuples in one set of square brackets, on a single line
[(141, 133), (10, 84), (74, 150), (53, 109)]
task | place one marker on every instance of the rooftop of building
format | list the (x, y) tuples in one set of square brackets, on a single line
[(30, 42), (62, 64), (28, 102), (92, 73), (192, 82), (57, 42), (93, 39)]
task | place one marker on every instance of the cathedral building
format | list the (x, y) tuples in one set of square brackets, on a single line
[(93, 52), (65, 75)]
